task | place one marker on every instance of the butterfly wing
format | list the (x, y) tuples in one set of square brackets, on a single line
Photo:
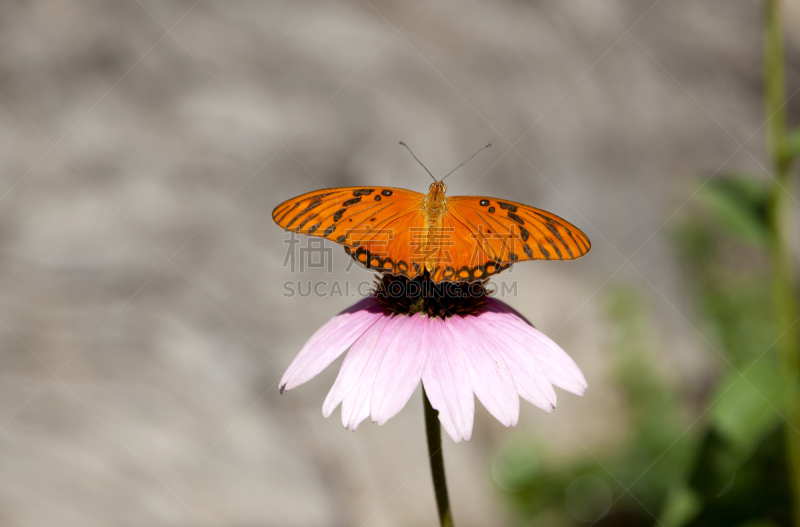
[(397, 248), (386, 229), (375, 224), (491, 234)]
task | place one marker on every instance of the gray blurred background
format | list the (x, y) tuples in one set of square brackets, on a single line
[(145, 143)]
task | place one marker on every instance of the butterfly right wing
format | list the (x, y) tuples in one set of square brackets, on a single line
[(494, 234), (375, 224)]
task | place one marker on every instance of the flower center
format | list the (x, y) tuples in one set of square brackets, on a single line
[(405, 296)]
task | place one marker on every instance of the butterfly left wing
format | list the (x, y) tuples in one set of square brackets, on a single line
[(491, 234), (336, 213), (397, 248), (375, 224)]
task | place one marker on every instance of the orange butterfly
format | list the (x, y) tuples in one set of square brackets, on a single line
[(459, 238)]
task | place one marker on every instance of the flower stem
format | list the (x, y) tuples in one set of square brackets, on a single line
[(434, 432), (785, 301)]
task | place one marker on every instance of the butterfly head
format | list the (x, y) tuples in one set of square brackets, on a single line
[(437, 187), (434, 201)]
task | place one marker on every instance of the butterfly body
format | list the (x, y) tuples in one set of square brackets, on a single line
[(402, 232), (435, 206)]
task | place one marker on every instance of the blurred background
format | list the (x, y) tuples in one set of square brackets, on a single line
[(144, 318)]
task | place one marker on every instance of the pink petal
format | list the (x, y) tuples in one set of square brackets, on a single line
[(401, 369), (532, 382), (356, 404), (447, 384), (353, 366), (561, 370), (330, 341), (491, 380)]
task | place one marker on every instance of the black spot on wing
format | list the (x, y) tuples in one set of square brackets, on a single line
[(387, 192), (286, 213), (484, 203), (527, 249), (523, 232), (314, 203), (507, 206), (329, 230), (338, 214), (552, 228), (544, 251), (363, 192), (303, 223), (313, 228), (558, 252), (516, 218), (341, 239), (491, 209), (377, 197), (536, 224), (351, 202), (580, 245)]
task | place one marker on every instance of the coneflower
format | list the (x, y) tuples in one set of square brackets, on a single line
[(453, 337)]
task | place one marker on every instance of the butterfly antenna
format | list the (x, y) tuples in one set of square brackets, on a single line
[(468, 160), (418, 161)]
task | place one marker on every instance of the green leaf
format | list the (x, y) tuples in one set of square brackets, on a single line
[(741, 203), (748, 406), (681, 507), (736, 487)]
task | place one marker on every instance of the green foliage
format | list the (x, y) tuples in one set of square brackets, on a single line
[(727, 470), (746, 406), (737, 474), (741, 203), (740, 271), (649, 462), (755, 489)]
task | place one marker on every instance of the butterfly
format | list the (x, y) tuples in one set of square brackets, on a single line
[(452, 239)]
